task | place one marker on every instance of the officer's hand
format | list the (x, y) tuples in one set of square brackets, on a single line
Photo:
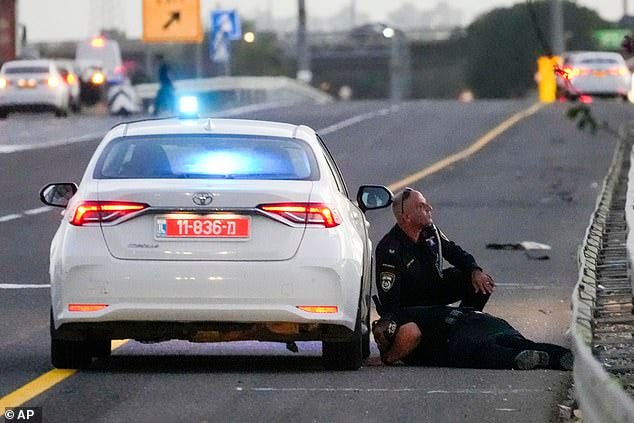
[(482, 282), (384, 331)]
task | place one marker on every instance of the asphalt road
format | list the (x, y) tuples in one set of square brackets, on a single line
[(538, 181)]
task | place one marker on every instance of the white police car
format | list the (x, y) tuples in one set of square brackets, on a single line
[(211, 230)]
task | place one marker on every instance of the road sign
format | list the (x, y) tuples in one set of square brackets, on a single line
[(610, 39), (225, 26), (172, 21), (226, 21)]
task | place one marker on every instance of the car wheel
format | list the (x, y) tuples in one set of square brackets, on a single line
[(76, 107), (347, 355), (101, 348), (61, 113), (365, 338), (70, 354)]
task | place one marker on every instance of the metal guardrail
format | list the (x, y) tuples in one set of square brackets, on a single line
[(603, 324), (236, 91)]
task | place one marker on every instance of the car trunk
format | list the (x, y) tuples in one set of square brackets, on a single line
[(229, 228)]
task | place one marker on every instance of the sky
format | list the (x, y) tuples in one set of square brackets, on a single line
[(59, 20)]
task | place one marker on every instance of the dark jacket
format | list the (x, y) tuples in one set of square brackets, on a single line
[(406, 271)]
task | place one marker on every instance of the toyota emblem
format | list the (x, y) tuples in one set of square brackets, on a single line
[(202, 198)]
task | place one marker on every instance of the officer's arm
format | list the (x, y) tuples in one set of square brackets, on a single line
[(481, 281), (388, 280), (455, 255)]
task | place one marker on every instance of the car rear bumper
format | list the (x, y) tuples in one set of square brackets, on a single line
[(603, 86), (42, 99), (151, 294), (203, 331)]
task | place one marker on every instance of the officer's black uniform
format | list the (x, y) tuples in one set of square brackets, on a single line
[(165, 96), (462, 337), (411, 273)]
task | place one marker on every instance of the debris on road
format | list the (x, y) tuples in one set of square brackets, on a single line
[(534, 250)]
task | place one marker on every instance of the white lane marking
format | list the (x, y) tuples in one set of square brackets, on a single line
[(10, 217), (356, 119), (253, 108), (98, 135), (430, 392), (39, 210), (22, 286), (53, 143), (524, 286)]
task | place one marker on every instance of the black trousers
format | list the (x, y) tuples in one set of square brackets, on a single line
[(480, 340), (164, 99), (455, 285)]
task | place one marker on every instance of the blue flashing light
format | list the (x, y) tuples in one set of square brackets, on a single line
[(188, 106), (223, 163)]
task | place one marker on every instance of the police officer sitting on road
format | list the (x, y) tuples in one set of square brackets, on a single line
[(462, 337), (409, 263)]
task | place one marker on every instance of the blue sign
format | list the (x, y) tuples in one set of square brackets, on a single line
[(225, 26)]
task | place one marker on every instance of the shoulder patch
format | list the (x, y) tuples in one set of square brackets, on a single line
[(387, 280)]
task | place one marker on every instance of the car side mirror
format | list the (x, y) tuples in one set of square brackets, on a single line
[(373, 197), (59, 194)]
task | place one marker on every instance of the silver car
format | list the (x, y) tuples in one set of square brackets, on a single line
[(33, 85), (593, 73)]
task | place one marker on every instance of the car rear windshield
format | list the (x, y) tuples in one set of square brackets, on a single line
[(206, 157), (600, 61), (26, 69)]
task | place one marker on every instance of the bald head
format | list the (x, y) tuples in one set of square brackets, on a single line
[(411, 209)]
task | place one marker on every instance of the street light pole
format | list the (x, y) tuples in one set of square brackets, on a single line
[(557, 27), (303, 61)]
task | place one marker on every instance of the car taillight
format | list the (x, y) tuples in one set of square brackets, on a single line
[(86, 307), (622, 71), (3, 83), (52, 82), (309, 213), (319, 309), (103, 211), (574, 72), (97, 78), (98, 42)]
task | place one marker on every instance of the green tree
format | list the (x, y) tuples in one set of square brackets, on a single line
[(504, 45), (262, 57)]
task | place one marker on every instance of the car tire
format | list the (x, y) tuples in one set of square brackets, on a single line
[(75, 107), (365, 338), (101, 348), (61, 113), (346, 355), (70, 354)]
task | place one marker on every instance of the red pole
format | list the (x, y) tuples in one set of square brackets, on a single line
[(7, 30)]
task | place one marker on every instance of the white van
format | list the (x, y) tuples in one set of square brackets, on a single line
[(99, 64)]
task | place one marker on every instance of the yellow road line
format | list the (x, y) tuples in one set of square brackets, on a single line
[(42, 383), (469, 151), (47, 380)]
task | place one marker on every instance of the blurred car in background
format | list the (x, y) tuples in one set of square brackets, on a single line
[(100, 65), (593, 73), (31, 86), (69, 75)]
